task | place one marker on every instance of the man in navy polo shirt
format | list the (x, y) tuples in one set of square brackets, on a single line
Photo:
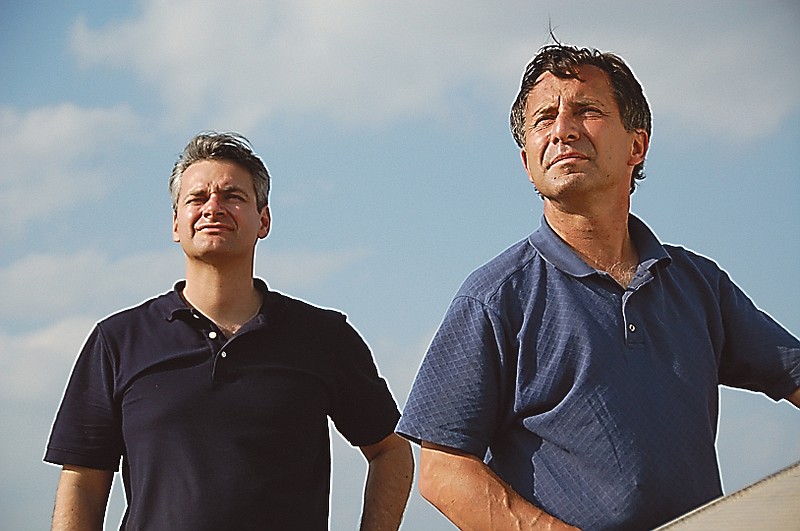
[(216, 396), (574, 380)]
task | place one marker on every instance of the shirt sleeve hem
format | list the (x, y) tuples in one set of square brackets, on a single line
[(60, 456), (459, 442)]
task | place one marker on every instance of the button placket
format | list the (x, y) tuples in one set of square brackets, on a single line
[(633, 338)]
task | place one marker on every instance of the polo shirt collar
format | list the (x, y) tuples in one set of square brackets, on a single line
[(556, 251), (172, 304)]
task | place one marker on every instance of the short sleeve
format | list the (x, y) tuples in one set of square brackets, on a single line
[(758, 353), (87, 430), (364, 410), (456, 397)]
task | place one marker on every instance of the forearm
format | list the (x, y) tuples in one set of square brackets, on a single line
[(81, 499), (473, 497), (391, 471)]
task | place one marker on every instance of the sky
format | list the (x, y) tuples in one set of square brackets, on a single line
[(385, 127)]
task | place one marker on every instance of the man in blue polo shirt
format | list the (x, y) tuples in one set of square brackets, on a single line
[(574, 380), (216, 396)]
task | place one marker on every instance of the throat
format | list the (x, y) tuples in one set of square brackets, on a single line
[(622, 273), (229, 328)]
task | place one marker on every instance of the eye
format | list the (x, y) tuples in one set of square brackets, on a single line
[(542, 120), (235, 196), (591, 112)]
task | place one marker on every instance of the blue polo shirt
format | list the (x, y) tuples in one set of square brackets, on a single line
[(218, 433), (597, 403)]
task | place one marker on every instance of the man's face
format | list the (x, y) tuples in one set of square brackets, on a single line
[(575, 141), (216, 215)]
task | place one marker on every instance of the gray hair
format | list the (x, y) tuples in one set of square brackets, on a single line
[(231, 147)]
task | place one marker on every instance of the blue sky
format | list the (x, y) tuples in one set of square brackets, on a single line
[(384, 125)]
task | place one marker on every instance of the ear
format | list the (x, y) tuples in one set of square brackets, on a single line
[(266, 223), (175, 236), (639, 147), (524, 156)]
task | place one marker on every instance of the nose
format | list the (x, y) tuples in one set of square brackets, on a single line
[(565, 129), (213, 206)]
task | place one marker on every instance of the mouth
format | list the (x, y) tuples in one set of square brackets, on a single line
[(571, 156), (213, 227)]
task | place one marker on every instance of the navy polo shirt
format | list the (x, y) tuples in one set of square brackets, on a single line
[(215, 433), (596, 403)]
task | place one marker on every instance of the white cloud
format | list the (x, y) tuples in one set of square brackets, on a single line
[(39, 288), (243, 61), (298, 270), (727, 68), (50, 157), (36, 364)]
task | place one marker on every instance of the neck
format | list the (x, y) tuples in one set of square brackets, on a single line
[(600, 238), (227, 296)]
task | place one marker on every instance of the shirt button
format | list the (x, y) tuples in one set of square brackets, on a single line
[(223, 354), (212, 335), (632, 327)]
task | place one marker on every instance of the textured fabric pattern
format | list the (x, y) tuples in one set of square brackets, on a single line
[(215, 433), (597, 403)]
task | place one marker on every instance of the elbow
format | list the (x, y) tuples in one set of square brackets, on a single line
[(405, 459), (429, 481)]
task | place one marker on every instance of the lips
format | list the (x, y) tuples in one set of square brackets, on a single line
[(213, 227), (570, 155)]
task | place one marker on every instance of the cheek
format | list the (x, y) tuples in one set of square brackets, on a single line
[(185, 219), (538, 143)]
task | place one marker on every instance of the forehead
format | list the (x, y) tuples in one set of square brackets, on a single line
[(216, 174), (593, 84)]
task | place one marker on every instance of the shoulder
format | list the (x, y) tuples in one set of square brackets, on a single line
[(692, 263), (517, 264), (155, 309), (302, 312)]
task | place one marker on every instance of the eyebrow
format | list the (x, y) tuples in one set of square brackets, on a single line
[(227, 188), (583, 102), (203, 190)]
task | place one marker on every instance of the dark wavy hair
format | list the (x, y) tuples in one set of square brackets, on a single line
[(563, 61), (231, 147)]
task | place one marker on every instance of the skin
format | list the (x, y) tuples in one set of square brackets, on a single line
[(580, 157), (391, 472), (473, 497), (217, 224), (81, 499), (794, 398)]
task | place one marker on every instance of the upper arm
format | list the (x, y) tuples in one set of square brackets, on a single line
[(92, 480), (87, 430), (759, 354), (390, 443), (81, 498), (794, 397), (460, 392), (362, 407), (440, 465)]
